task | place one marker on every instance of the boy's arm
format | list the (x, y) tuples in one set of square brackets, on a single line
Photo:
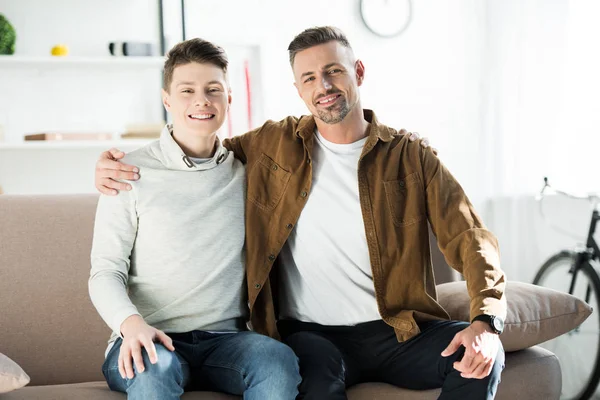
[(115, 230)]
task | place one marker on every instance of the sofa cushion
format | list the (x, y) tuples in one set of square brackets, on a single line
[(55, 333), (11, 375), (522, 368), (93, 391), (535, 314)]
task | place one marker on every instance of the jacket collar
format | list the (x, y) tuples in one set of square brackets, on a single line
[(175, 158), (306, 127)]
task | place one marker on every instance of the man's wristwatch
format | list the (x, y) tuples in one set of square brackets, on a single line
[(496, 323)]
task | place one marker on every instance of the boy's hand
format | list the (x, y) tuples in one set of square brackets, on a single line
[(109, 168), (137, 334)]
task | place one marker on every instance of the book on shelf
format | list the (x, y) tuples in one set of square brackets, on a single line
[(143, 131), (55, 136), (140, 136)]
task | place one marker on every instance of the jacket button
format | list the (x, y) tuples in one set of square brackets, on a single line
[(272, 257), (308, 161), (274, 167), (289, 226), (402, 184), (303, 194), (257, 286)]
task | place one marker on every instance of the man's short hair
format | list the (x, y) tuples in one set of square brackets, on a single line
[(193, 50), (315, 36)]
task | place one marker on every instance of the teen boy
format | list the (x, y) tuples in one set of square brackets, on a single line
[(168, 272)]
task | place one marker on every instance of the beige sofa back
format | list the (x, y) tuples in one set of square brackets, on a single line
[(47, 322)]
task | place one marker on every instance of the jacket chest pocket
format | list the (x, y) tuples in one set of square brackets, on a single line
[(405, 200), (267, 182)]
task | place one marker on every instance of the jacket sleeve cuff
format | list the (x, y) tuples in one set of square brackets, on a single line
[(488, 305)]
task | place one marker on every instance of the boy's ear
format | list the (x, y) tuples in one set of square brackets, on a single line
[(166, 99)]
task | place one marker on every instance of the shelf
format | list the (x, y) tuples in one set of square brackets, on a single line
[(17, 61), (75, 144)]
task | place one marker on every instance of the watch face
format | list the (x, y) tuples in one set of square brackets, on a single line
[(498, 324), (386, 18)]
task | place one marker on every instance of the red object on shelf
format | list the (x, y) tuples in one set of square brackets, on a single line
[(248, 93), (229, 123)]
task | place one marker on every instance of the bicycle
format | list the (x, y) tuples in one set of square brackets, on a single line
[(574, 272)]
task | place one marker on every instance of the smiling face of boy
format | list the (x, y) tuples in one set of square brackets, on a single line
[(197, 98)]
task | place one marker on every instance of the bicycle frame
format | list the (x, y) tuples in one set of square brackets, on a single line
[(592, 252), (580, 261)]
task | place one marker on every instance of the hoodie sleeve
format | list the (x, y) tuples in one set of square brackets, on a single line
[(115, 231)]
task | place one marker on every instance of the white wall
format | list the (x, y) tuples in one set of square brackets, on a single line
[(425, 80), (503, 88)]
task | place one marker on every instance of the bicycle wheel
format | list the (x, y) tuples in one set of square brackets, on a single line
[(578, 351)]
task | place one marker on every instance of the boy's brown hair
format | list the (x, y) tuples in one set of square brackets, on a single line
[(315, 36), (193, 50)]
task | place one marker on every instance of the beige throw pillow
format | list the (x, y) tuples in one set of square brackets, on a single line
[(12, 377), (535, 314)]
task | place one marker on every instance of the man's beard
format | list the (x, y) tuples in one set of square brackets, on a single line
[(335, 113)]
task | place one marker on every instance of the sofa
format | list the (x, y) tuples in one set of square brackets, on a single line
[(50, 328)]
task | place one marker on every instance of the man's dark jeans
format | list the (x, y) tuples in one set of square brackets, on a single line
[(333, 358)]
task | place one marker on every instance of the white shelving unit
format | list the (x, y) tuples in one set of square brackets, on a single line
[(63, 166), (16, 61), (80, 91), (74, 144)]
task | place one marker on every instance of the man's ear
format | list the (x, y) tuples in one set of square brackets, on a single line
[(360, 72), (166, 99)]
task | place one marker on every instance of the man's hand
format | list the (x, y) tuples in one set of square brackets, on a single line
[(137, 334), (413, 136), (481, 347), (109, 168)]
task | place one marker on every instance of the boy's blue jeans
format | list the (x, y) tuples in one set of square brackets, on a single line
[(242, 363)]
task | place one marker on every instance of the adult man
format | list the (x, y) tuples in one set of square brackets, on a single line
[(337, 243)]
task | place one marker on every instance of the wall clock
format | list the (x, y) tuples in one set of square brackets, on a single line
[(386, 18)]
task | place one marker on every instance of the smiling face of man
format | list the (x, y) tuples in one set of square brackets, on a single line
[(327, 78)]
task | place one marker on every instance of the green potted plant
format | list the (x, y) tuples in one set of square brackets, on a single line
[(8, 36)]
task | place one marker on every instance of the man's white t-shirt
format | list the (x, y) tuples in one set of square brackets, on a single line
[(327, 276)]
